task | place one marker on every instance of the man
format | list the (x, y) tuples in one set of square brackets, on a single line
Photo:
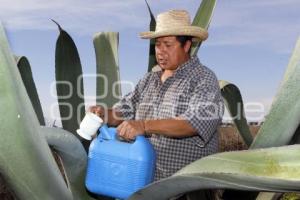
[(178, 105)]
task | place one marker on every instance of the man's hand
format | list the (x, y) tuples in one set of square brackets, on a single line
[(130, 129)]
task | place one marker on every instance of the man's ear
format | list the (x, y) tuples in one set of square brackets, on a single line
[(187, 46)]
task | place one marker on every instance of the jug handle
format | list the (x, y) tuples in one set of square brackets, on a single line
[(140, 138), (111, 134), (106, 133)]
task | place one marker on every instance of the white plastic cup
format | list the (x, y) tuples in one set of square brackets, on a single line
[(89, 126)]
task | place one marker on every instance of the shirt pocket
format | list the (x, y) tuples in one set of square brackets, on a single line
[(181, 102), (148, 95)]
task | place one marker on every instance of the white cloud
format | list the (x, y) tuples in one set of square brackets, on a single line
[(271, 3), (269, 24), (266, 23), (84, 16), (80, 16)]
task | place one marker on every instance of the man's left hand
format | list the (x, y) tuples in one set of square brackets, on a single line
[(130, 129)]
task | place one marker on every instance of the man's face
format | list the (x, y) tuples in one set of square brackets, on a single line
[(169, 52)]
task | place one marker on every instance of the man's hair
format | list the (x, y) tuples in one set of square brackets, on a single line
[(183, 39)]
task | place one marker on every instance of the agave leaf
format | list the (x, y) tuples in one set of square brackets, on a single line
[(202, 19), (25, 158), (74, 159), (107, 58), (26, 74), (234, 103), (69, 82), (152, 59), (270, 169), (283, 118), (281, 129)]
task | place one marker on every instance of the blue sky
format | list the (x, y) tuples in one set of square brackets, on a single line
[(250, 42)]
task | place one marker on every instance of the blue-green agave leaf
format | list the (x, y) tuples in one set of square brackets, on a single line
[(270, 169), (69, 82), (234, 104), (74, 159), (283, 119), (108, 81), (202, 19), (26, 74), (26, 161)]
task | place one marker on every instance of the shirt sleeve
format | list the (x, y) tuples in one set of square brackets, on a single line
[(205, 110), (128, 104)]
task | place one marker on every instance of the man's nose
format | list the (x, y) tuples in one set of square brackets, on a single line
[(161, 49)]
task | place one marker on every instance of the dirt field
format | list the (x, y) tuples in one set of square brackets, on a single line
[(230, 139)]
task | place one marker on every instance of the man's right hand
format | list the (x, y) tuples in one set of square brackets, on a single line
[(98, 110), (108, 115)]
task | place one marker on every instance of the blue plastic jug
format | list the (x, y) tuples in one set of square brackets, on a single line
[(118, 168)]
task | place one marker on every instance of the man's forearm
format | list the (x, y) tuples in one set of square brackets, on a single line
[(177, 128)]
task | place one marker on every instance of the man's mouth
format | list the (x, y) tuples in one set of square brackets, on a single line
[(162, 61)]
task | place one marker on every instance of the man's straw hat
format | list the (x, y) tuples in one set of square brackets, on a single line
[(175, 23)]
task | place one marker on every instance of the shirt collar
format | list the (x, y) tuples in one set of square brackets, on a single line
[(193, 61)]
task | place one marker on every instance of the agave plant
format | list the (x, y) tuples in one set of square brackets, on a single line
[(69, 76), (27, 163), (69, 85)]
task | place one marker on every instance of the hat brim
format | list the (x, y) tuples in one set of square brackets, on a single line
[(198, 34)]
